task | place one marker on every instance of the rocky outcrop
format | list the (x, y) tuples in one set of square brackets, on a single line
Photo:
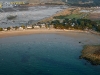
[(92, 54)]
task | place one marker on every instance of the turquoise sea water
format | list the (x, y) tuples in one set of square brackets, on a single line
[(43, 54)]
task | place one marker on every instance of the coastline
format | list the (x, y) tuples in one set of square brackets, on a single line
[(84, 38), (91, 53), (79, 35), (11, 33), (4, 34), (66, 11)]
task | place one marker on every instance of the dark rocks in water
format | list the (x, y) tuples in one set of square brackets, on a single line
[(91, 54), (79, 42)]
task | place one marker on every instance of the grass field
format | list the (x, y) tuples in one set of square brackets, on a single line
[(77, 16), (71, 16)]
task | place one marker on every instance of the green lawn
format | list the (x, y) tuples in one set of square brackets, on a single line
[(71, 16), (77, 16)]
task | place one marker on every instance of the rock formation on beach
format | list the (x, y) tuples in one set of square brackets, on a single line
[(92, 54)]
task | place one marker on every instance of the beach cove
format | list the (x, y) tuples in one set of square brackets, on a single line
[(46, 52)]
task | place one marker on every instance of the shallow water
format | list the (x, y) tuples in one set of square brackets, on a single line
[(43, 54), (35, 13)]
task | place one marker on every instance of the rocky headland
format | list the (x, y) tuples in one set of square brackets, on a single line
[(91, 53)]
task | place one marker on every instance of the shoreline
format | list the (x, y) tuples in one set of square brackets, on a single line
[(12, 33), (4, 34), (78, 35), (65, 11), (84, 38), (91, 53)]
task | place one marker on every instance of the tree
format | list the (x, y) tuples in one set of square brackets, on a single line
[(82, 25), (89, 26), (46, 26), (55, 22), (16, 27), (1, 29), (8, 28), (76, 26), (98, 28), (23, 26), (67, 26)]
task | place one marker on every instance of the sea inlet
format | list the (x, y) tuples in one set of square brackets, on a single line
[(43, 54)]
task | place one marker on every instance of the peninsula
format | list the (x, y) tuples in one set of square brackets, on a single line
[(92, 54)]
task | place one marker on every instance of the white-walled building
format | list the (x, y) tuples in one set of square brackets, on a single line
[(29, 27), (36, 27)]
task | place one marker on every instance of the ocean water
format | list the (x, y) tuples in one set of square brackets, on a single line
[(43, 54)]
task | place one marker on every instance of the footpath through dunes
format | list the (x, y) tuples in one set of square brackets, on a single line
[(92, 54)]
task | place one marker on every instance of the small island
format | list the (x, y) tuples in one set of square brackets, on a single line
[(92, 54)]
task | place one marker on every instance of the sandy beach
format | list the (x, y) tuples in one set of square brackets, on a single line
[(83, 36), (27, 32), (35, 31)]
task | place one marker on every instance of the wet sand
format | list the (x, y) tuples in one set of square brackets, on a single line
[(87, 37), (27, 32)]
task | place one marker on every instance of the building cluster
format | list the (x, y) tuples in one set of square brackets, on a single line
[(25, 27), (11, 4)]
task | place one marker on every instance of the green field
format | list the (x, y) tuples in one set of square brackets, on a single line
[(77, 16)]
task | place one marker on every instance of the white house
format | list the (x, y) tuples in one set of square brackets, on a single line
[(5, 29), (20, 28), (36, 27), (43, 25), (29, 27), (51, 26)]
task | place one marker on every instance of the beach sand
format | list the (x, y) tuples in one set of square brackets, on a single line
[(26, 32), (86, 37)]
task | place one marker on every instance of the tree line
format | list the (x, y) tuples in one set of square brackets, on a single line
[(81, 24)]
